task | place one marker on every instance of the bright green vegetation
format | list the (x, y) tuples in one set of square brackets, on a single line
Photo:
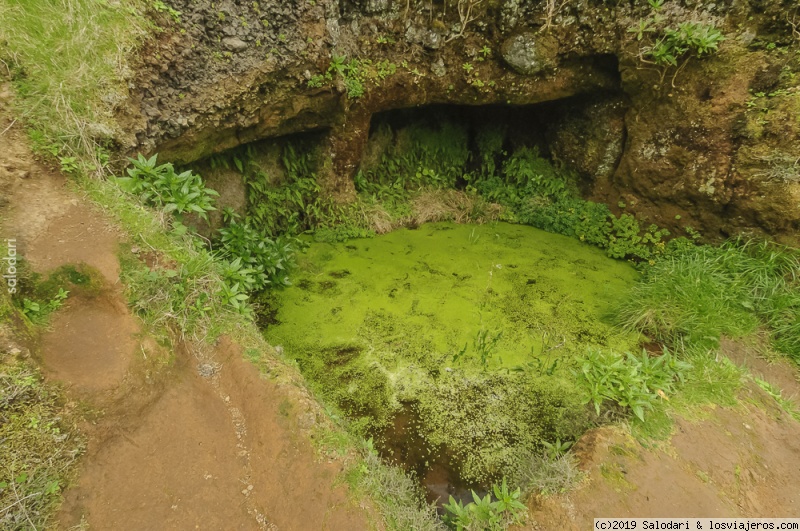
[(38, 297), (694, 38), (532, 190), (485, 513), (65, 58), (530, 399), (478, 326), (160, 186), (354, 74), (699, 293), (673, 46), (634, 382)]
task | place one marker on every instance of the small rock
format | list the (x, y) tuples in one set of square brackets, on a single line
[(530, 54), (426, 37), (438, 68), (234, 44), (747, 36), (375, 7)]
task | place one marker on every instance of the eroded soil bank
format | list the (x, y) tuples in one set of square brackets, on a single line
[(194, 438)]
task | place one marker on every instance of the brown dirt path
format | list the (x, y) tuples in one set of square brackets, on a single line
[(173, 443), (738, 462)]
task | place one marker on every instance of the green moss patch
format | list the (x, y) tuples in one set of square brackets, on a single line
[(479, 327)]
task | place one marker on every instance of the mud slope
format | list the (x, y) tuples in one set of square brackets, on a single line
[(168, 448), (743, 462)]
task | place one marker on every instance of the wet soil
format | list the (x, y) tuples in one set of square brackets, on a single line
[(90, 344), (738, 462), (190, 439)]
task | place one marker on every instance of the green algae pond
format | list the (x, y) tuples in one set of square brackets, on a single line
[(454, 346)]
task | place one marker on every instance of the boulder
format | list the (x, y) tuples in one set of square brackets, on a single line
[(530, 54)]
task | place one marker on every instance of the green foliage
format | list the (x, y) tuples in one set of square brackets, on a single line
[(628, 239), (294, 205), (161, 186), (534, 191), (695, 38), (68, 164), (698, 293), (64, 100), (252, 260), (632, 382), (485, 345), (354, 73), (421, 156), (38, 312), (557, 449), (545, 197), (486, 514), (161, 7)]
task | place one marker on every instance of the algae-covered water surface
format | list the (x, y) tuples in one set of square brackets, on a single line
[(461, 339)]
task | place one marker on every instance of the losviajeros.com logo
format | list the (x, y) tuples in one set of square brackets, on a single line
[(10, 265)]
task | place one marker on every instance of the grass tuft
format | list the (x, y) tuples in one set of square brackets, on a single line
[(67, 59), (699, 294)]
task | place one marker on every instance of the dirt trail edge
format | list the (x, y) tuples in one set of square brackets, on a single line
[(174, 442)]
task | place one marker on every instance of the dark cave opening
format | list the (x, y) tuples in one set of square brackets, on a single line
[(584, 133)]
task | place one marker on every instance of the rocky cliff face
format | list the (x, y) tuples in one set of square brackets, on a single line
[(713, 141)]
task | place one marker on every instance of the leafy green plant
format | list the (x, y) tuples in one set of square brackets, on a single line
[(485, 344), (31, 308), (695, 38), (68, 164), (161, 186), (354, 74), (253, 260), (162, 7), (557, 449), (484, 513), (429, 156), (632, 382), (642, 27), (37, 312)]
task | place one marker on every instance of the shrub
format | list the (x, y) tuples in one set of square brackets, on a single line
[(486, 514), (161, 186), (252, 260), (631, 382)]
